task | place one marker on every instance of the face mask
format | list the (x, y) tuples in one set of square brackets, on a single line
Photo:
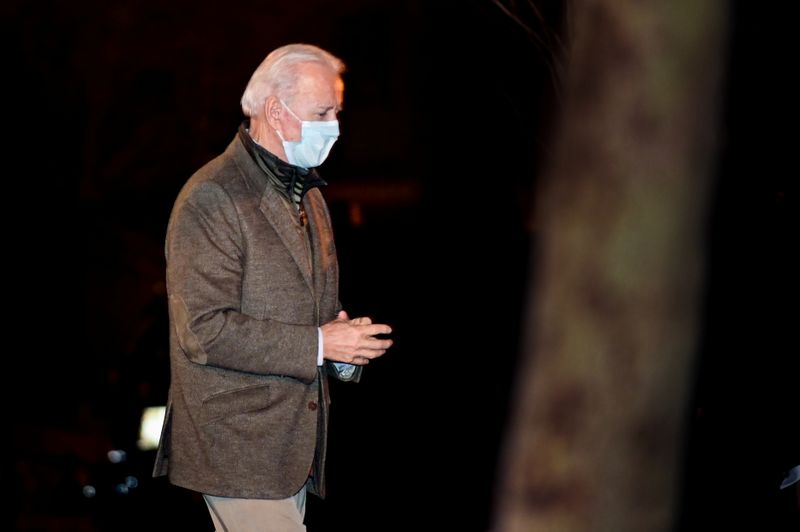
[(316, 141)]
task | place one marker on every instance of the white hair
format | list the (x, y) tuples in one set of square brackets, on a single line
[(277, 75)]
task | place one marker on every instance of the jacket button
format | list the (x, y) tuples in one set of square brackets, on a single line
[(312, 405)]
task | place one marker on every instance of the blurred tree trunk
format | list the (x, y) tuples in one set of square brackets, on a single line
[(604, 382)]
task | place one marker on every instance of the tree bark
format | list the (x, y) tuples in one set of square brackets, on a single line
[(596, 440)]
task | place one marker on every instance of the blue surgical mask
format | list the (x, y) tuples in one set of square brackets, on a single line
[(316, 141)]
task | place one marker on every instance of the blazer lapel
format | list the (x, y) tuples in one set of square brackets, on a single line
[(321, 237), (278, 212)]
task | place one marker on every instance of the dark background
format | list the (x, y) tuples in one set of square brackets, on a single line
[(448, 105)]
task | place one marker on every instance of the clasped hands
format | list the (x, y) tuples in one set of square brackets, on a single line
[(353, 340)]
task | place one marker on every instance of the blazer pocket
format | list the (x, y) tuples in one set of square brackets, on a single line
[(233, 402)]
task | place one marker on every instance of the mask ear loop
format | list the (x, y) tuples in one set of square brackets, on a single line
[(290, 111)]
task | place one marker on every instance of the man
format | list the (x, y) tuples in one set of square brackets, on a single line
[(255, 320)]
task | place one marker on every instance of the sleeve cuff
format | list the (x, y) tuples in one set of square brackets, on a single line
[(319, 346)]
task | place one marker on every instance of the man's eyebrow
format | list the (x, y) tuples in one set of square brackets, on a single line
[(326, 108)]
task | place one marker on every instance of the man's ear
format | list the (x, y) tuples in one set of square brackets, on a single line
[(272, 110)]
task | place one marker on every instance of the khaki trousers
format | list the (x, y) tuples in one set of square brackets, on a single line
[(258, 515)]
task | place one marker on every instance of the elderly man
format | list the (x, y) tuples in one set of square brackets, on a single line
[(256, 326)]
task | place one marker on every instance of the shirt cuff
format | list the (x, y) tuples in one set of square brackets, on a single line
[(319, 346)]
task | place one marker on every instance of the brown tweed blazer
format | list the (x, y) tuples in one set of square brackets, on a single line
[(247, 286)]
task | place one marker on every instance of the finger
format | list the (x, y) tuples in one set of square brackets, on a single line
[(342, 315), (360, 360), (377, 328), (377, 343), (369, 353)]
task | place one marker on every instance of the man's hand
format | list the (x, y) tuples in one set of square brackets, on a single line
[(353, 340)]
